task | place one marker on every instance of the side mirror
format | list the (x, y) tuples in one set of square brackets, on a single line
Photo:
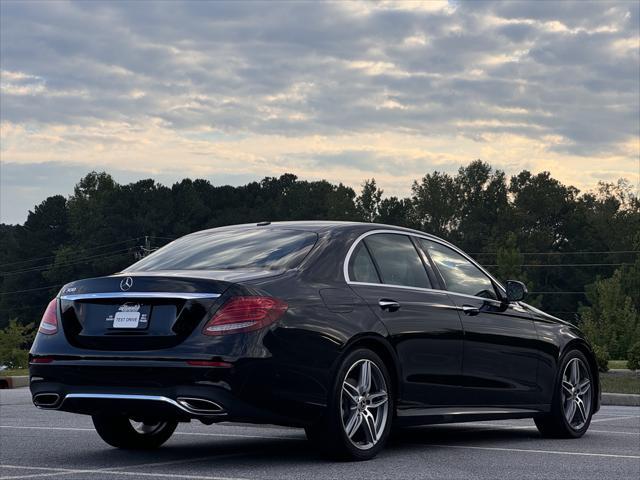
[(516, 291)]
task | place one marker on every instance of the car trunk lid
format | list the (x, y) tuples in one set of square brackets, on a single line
[(142, 311)]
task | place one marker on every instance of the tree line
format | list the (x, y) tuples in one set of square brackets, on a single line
[(577, 252)]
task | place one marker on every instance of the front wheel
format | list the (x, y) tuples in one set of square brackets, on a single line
[(126, 433), (360, 409), (572, 405)]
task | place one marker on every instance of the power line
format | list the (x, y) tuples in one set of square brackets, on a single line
[(66, 263), (54, 256), (566, 253), (558, 293), (8, 311), (570, 265), (162, 238), (32, 289)]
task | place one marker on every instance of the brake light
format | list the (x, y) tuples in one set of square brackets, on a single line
[(49, 322), (245, 314), (41, 360), (207, 363)]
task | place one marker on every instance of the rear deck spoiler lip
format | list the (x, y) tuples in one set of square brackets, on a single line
[(102, 295)]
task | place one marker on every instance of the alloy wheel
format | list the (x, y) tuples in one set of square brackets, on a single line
[(576, 393), (365, 404)]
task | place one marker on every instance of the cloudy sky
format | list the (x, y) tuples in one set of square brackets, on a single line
[(344, 91)]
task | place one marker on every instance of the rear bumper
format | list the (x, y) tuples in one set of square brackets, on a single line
[(162, 390), (132, 405)]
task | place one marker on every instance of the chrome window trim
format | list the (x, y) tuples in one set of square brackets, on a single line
[(420, 289), (430, 290), (345, 267), (102, 295)]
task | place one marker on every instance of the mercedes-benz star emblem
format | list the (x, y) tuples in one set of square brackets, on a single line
[(126, 284)]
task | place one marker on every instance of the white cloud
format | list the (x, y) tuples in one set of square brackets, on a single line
[(336, 89)]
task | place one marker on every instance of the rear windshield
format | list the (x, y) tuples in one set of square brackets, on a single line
[(229, 249)]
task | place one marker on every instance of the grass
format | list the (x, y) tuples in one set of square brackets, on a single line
[(14, 371), (620, 382), (617, 364)]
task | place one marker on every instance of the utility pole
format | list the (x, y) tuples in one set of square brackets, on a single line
[(143, 250)]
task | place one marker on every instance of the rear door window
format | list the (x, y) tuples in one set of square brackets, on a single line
[(397, 260), (361, 267)]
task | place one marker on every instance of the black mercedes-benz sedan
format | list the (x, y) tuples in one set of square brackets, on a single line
[(343, 329)]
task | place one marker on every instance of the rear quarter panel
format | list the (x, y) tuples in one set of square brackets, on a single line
[(323, 318)]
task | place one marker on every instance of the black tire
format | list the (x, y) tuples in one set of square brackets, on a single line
[(330, 436), (119, 432), (555, 424)]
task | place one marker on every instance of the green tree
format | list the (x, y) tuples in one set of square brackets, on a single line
[(15, 341), (613, 320), (483, 206), (32, 250), (436, 204), (93, 207), (341, 204), (509, 262), (395, 211), (368, 202)]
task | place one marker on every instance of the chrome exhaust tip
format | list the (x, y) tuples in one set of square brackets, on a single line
[(200, 406), (46, 400)]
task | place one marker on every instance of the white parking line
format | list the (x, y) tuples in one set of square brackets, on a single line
[(69, 471), (524, 450), (613, 419), (120, 470), (493, 426), (35, 475), (205, 434), (35, 427), (115, 470), (510, 426), (240, 435), (612, 432)]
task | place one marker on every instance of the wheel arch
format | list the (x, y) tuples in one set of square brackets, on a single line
[(381, 346), (583, 346)]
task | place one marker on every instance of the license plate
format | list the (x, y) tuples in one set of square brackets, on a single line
[(126, 319)]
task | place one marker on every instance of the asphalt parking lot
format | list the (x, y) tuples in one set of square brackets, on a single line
[(56, 445)]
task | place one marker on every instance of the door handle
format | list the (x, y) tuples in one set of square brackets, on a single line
[(390, 305), (470, 310)]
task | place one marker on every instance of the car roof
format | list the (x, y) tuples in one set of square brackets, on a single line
[(320, 226)]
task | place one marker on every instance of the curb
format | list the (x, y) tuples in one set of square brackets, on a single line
[(624, 371), (621, 399), (14, 381)]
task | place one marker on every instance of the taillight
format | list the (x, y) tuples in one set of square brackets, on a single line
[(41, 360), (49, 322), (244, 314), (208, 363)]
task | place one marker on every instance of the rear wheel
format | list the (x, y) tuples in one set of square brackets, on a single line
[(123, 432), (571, 409), (360, 410)]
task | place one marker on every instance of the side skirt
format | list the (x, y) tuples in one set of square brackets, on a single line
[(430, 416)]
